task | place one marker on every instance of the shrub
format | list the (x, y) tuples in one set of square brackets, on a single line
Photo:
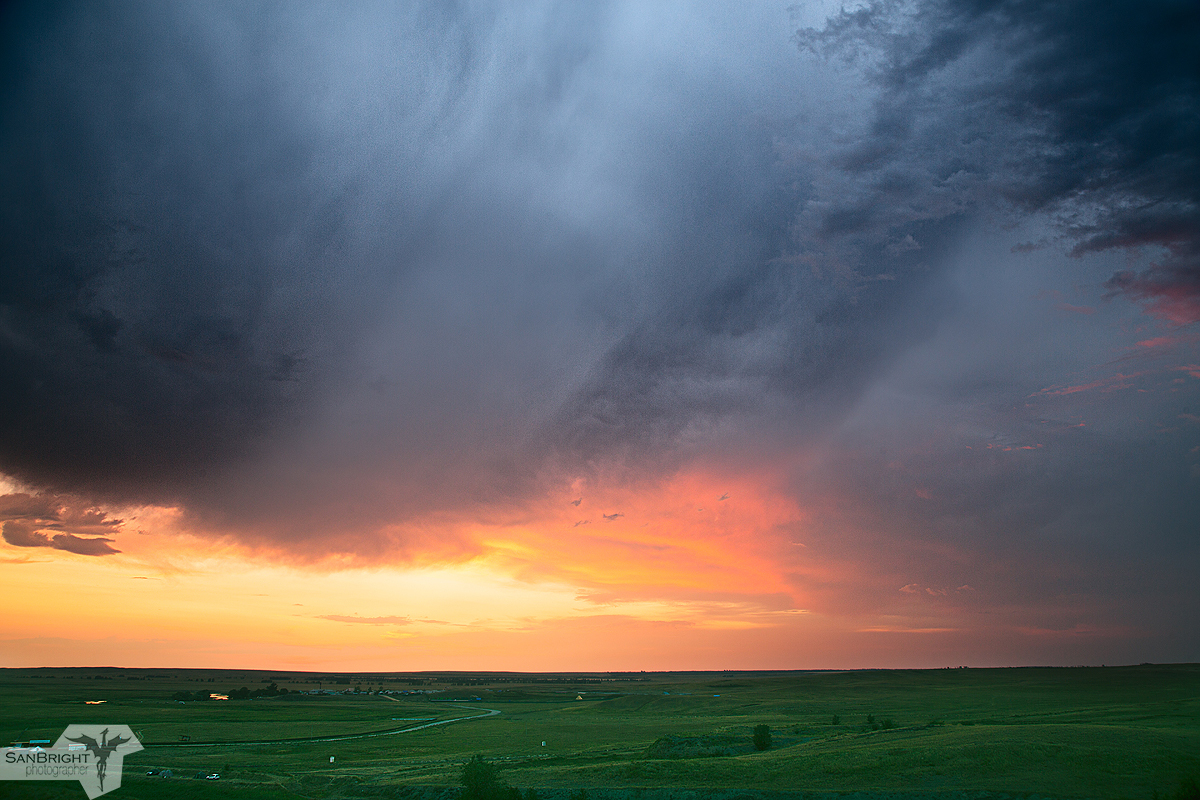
[(1188, 789), (481, 781), (762, 737), (837, 720)]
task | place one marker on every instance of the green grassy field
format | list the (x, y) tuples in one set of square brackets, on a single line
[(1112, 732)]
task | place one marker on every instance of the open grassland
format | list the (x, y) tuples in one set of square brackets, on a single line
[(1116, 732)]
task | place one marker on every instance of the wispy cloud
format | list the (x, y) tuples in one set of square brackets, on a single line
[(368, 620), (58, 522)]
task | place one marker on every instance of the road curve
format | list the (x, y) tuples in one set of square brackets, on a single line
[(312, 739)]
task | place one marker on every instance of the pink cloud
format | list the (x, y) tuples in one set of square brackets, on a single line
[(1161, 341), (1170, 291), (1110, 384)]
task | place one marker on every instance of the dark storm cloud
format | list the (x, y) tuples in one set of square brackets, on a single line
[(250, 253), (187, 258), (145, 198), (316, 269), (1087, 112)]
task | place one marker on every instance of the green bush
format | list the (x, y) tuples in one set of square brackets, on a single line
[(762, 737), (481, 781)]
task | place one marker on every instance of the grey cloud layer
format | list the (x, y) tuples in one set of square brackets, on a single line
[(320, 269)]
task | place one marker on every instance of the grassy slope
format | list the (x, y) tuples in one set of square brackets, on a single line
[(1104, 733)]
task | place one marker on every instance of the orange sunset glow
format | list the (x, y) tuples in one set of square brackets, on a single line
[(595, 337)]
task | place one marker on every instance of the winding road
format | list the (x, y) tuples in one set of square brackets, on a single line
[(310, 739)]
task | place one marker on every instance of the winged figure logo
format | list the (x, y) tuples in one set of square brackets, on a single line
[(102, 750)]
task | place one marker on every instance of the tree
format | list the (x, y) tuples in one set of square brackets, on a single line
[(481, 781), (762, 737)]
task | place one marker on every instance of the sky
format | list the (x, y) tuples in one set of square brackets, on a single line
[(554, 336)]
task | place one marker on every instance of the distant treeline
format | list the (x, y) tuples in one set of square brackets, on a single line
[(459, 680), (237, 694), (464, 680)]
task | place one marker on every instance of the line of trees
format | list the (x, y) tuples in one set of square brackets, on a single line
[(237, 694)]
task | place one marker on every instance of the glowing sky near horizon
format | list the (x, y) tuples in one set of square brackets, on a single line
[(606, 336)]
